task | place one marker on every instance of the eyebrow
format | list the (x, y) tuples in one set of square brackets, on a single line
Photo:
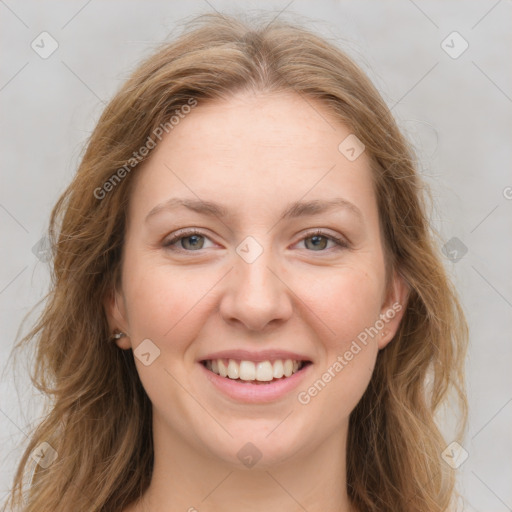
[(293, 210)]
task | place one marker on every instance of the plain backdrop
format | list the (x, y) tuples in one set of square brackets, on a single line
[(450, 93)]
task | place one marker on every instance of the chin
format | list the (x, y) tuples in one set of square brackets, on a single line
[(256, 448)]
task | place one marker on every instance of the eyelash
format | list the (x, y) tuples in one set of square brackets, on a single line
[(340, 242)]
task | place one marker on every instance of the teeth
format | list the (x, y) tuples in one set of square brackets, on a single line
[(223, 369), (278, 369), (263, 371), (247, 370), (233, 369)]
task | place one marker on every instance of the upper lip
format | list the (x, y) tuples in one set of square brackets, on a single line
[(262, 355)]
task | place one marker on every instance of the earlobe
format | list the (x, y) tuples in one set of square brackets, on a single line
[(116, 320), (393, 309)]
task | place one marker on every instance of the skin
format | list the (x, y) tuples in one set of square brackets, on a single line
[(254, 153)]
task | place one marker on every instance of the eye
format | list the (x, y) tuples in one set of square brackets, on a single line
[(319, 240), (191, 241)]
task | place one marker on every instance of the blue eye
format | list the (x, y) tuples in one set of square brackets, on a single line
[(193, 240), (193, 236)]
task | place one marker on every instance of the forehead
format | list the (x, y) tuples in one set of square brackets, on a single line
[(249, 122), (256, 150)]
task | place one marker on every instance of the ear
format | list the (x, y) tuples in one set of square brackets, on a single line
[(393, 309), (115, 311)]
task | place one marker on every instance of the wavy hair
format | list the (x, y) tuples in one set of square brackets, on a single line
[(98, 416)]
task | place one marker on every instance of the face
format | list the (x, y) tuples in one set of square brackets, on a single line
[(256, 281)]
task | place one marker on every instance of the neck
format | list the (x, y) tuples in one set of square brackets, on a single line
[(185, 479)]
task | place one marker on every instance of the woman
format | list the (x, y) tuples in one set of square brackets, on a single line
[(248, 309)]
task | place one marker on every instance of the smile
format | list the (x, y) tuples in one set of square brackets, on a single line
[(254, 371), (255, 382)]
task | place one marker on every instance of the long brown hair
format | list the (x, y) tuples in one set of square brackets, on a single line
[(98, 418)]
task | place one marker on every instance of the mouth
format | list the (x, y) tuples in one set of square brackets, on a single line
[(255, 372)]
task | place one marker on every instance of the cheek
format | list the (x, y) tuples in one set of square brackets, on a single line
[(348, 301), (349, 304), (157, 297)]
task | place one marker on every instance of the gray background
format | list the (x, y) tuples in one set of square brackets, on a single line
[(456, 111)]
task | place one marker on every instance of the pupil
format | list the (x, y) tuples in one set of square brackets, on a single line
[(196, 237), (318, 238)]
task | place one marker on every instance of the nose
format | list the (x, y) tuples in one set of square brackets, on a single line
[(257, 295)]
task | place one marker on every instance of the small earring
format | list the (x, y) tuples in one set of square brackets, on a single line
[(117, 335)]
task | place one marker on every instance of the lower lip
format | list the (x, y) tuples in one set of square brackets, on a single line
[(256, 393)]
